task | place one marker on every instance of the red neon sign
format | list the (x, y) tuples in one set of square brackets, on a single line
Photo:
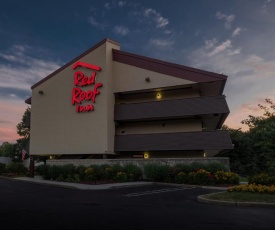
[(80, 80)]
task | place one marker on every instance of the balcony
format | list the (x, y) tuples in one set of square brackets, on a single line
[(207, 140), (173, 109)]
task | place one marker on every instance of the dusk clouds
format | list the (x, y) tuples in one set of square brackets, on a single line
[(214, 36)]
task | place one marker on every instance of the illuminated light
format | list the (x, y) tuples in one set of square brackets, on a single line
[(51, 157), (204, 154), (158, 95), (86, 65), (146, 155)]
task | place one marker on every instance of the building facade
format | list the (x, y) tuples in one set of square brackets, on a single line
[(108, 103)]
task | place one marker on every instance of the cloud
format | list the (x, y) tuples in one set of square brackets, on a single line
[(23, 70), (265, 6), (162, 43), (114, 4), (96, 23), (222, 47), (227, 18), (121, 30), (152, 14), (250, 76), (236, 32)]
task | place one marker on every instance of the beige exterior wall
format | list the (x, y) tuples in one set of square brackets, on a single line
[(56, 127), (159, 127), (131, 78)]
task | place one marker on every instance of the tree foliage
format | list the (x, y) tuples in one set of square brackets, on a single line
[(7, 149), (254, 150)]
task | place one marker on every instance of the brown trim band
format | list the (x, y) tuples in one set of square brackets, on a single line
[(168, 68)]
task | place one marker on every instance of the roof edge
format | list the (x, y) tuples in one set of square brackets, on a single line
[(168, 64), (74, 60)]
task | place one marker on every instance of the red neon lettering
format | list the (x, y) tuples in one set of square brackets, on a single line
[(87, 108), (79, 95), (81, 80), (86, 65), (96, 92)]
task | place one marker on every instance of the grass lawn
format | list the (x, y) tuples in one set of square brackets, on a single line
[(242, 197)]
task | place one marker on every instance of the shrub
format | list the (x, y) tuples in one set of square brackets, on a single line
[(183, 168), (157, 173), (200, 177), (253, 188), (2, 168), (16, 168), (121, 177), (263, 179), (214, 167), (90, 174), (133, 172), (67, 170), (80, 171), (55, 171), (106, 172), (222, 177), (271, 168), (181, 178), (43, 170)]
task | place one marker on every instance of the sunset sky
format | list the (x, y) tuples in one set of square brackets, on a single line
[(236, 38)]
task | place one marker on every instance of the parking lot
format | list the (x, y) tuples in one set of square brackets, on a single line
[(26, 205)]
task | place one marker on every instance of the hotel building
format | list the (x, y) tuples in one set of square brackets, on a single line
[(107, 103)]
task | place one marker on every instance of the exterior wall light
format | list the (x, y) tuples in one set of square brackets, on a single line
[(146, 155), (204, 154), (158, 96), (147, 79), (41, 92)]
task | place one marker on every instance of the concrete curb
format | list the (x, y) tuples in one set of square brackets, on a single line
[(203, 199), (80, 186)]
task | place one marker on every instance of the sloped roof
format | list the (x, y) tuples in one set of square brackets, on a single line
[(180, 71), (168, 68), (73, 61)]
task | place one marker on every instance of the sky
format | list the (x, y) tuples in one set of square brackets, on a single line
[(233, 37)]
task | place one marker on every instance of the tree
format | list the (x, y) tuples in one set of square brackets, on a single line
[(7, 149), (23, 130), (254, 150)]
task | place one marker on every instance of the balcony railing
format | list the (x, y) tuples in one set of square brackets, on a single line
[(171, 109), (207, 140)]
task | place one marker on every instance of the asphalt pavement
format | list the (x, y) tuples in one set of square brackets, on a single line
[(149, 206)]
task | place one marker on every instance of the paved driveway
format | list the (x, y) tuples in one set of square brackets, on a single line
[(25, 205)]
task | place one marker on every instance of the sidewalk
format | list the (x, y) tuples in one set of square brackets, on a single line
[(81, 186)]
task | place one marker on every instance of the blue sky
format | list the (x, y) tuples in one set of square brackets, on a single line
[(234, 37)]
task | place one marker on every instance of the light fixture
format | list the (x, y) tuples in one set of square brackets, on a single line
[(146, 155), (41, 92), (204, 154), (147, 79), (158, 95)]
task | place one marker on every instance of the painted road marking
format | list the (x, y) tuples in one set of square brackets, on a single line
[(156, 191)]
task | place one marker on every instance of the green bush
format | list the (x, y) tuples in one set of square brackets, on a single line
[(133, 172), (181, 178), (200, 177), (55, 171), (263, 179), (106, 172), (43, 170), (67, 170), (186, 168), (222, 177), (214, 167), (2, 168), (121, 177), (80, 171), (16, 168), (157, 173), (271, 168), (91, 174)]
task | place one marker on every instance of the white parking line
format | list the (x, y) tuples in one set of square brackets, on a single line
[(156, 191)]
